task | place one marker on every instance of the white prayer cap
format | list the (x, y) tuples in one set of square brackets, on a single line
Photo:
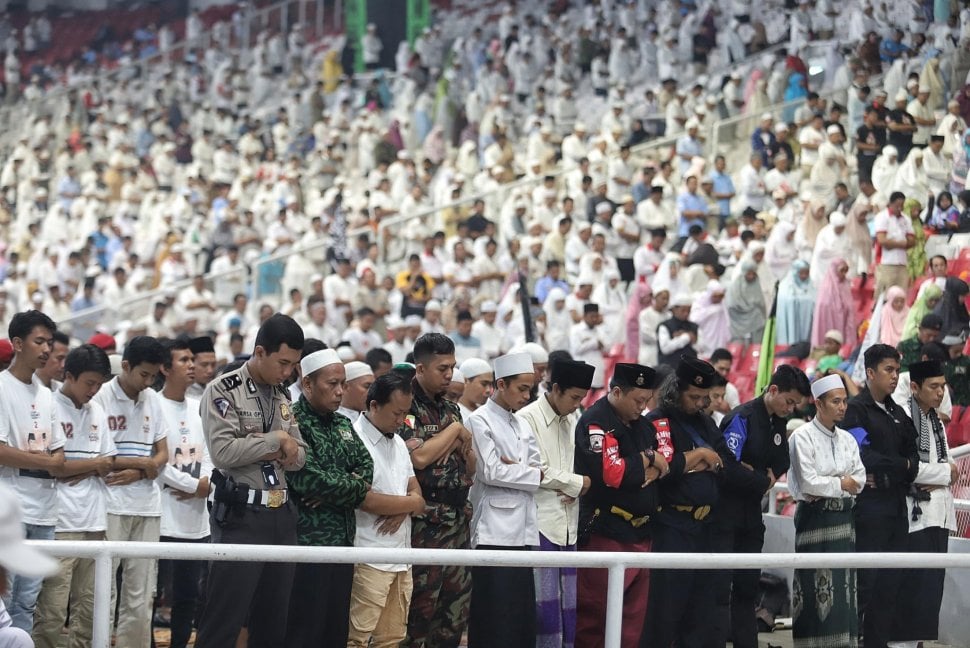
[(833, 130), (538, 354), (766, 116), (923, 89), (489, 307), (345, 353), (315, 278), (513, 364), (357, 369), (837, 219), (319, 360), (682, 299), (604, 207), (834, 334), (432, 305), (412, 320), (827, 384), (579, 126), (583, 226), (901, 95), (585, 279), (473, 367), (457, 376)]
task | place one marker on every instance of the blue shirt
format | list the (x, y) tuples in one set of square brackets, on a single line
[(547, 283), (890, 50), (688, 145), (689, 202), (723, 184)]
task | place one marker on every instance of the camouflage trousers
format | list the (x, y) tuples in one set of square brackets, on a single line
[(439, 604)]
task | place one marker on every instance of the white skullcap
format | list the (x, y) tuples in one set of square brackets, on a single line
[(357, 369), (827, 384), (923, 89), (513, 364), (319, 360), (433, 305), (489, 307), (837, 219), (457, 376), (833, 130), (345, 353), (901, 95), (412, 320), (682, 299), (834, 334), (536, 351), (473, 367)]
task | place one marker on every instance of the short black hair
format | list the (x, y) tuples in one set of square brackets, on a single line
[(383, 388), (788, 378), (312, 345), (62, 338), (935, 351), (432, 344), (896, 195), (378, 356), (23, 323), (879, 352), (721, 354), (365, 311), (178, 344), (278, 330), (464, 316), (144, 349), (87, 357)]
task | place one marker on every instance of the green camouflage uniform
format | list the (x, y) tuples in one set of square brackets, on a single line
[(439, 603), (337, 471), (910, 351), (958, 378)]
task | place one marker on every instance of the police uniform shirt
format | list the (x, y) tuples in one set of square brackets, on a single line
[(28, 421), (503, 504), (617, 504), (188, 463), (136, 426), (887, 441), (239, 428), (759, 440), (82, 507)]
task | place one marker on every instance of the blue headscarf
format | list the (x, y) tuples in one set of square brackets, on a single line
[(796, 304)]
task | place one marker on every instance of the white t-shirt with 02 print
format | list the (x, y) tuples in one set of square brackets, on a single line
[(28, 421)]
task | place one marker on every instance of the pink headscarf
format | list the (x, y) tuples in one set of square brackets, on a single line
[(640, 291), (834, 308), (893, 321)]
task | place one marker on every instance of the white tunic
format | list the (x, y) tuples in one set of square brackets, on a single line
[(819, 459), (502, 496)]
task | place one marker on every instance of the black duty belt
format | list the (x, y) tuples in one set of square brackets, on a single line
[(451, 497)]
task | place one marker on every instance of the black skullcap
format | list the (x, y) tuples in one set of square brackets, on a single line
[(920, 371), (569, 373), (201, 345), (698, 373), (627, 374), (591, 308)]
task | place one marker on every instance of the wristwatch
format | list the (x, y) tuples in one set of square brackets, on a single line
[(652, 456)]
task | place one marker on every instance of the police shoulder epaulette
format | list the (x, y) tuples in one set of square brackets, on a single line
[(232, 381), (284, 392)]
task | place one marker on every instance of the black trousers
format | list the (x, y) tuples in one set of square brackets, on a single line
[(184, 592), (736, 591), (252, 594), (681, 602), (922, 591), (503, 606), (879, 588), (320, 607)]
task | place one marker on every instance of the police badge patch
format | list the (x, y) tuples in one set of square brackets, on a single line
[(284, 411), (596, 435), (222, 406)]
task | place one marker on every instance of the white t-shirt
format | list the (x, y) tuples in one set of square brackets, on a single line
[(28, 421), (392, 471), (83, 506), (188, 462), (896, 229), (136, 427)]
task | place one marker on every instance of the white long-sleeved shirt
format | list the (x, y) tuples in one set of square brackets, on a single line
[(555, 436), (819, 459), (502, 496)]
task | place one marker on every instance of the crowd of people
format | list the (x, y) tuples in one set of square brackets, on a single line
[(218, 213)]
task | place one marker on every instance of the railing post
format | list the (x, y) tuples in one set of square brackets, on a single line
[(614, 606), (101, 632)]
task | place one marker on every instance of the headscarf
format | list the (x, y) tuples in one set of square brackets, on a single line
[(911, 177), (952, 308), (921, 309), (884, 170), (558, 322), (780, 251), (746, 304), (916, 255), (893, 321), (662, 280), (963, 98), (641, 290), (713, 321), (835, 310), (796, 302)]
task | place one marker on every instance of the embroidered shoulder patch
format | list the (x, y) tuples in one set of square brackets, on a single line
[(596, 435), (222, 406), (231, 382)]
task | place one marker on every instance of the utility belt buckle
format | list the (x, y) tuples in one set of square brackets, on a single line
[(636, 522), (698, 512)]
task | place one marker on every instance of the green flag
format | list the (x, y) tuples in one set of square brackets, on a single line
[(767, 361)]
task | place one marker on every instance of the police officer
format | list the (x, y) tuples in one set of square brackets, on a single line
[(681, 602), (957, 368), (616, 449), (252, 438), (755, 433)]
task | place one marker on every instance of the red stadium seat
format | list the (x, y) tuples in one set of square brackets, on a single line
[(749, 360), (737, 351)]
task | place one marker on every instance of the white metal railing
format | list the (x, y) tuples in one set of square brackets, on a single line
[(103, 553)]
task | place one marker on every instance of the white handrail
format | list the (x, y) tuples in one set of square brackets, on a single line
[(103, 553)]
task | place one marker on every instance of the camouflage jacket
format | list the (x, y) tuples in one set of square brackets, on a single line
[(337, 473), (429, 416)]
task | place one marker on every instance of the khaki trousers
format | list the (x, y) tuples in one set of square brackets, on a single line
[(379, 602), (888, 276), (74, 582), (137, 580)]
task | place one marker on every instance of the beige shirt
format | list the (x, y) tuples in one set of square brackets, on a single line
[(556, 437)]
